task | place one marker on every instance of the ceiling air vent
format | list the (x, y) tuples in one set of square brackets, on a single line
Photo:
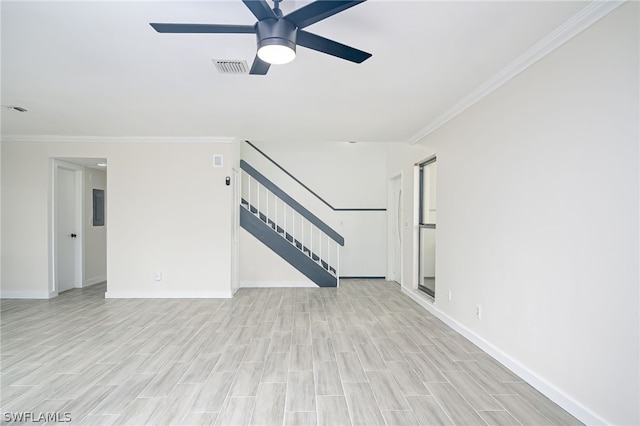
[(231, 66)]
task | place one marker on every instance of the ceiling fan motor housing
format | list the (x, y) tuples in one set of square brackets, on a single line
[(276, 32)]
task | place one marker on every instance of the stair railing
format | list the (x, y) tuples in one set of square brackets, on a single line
[(291, 220)]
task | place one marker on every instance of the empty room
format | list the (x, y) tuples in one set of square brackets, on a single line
[(293, 212)]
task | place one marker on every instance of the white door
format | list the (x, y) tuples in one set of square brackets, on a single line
[(395, 228), (66, 232)]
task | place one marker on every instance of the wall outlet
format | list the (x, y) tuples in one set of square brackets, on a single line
[(478, 311), (157, 276), (449, 295)]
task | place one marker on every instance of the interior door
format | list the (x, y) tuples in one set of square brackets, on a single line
[(66, 240)]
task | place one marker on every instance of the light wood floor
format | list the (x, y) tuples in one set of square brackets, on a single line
[(363, 354)]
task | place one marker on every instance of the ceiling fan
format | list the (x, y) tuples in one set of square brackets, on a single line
[(278, 35)]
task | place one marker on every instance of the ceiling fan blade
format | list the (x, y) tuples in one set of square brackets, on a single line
[(259, 67), (330, 47), (260, 9), (203, 28), (319, 10)]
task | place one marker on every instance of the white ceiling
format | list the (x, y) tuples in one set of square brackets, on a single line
[(97, 68)]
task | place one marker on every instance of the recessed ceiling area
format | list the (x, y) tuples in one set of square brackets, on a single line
[(98, 68)]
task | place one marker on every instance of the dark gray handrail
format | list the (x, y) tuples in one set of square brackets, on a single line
[(309, 189), (291, 202)]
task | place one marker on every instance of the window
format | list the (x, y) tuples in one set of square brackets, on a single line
[(427, 227)]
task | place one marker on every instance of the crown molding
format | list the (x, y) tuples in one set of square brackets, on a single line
[(589, 15), (114, 139)]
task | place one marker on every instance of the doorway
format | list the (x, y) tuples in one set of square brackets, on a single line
[(427, 172), (78, 238), (394, 229), (67, 218)]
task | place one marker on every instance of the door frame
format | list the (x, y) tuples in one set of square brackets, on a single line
[(235, 229), (392, 221), (78, 170)]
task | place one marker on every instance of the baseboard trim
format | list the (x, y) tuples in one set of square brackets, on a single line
[(276, 284), (573, 407), (27, 294), (361, 278), (169, 295), (93, 281)]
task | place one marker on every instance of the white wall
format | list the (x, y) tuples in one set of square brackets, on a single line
[(261, 267), (346, 176), (538, 214), (0, 216), (169, 211), (95, 237), (25, 221)]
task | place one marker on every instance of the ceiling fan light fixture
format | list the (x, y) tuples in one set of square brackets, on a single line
[(276, 41), (277, 34), (277, 54)]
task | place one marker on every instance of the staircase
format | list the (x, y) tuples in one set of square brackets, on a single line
[(290, 230)]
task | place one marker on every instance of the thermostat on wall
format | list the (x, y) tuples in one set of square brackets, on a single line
[(217, 160)]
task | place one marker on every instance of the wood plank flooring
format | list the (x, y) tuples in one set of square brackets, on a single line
[(362, 354)]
